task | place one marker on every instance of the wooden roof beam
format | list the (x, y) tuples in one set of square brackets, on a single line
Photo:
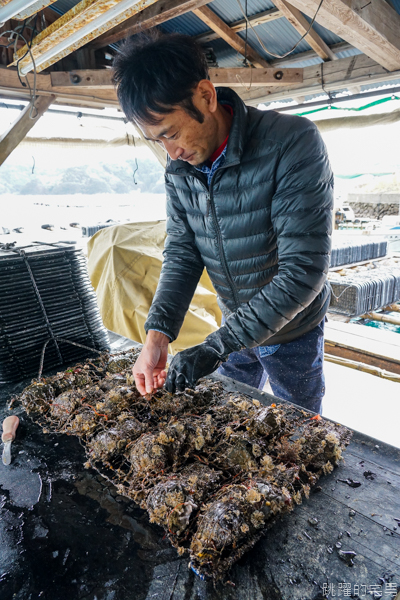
[(372, 27), (153, 15), (224, 31), (332, 76), (10, 87), (101, 79), (266, 16), (300, 23), (24, 123)]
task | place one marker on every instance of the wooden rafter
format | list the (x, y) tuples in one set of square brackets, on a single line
[(24, 123), (242, 77), (300, 23), (266, 16), (245, 77), (224, 31), (333, 76), (10, 87), (154, 15), (372, 27), (338, 75)]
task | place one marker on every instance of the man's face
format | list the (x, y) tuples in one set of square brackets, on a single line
[(182, 136)]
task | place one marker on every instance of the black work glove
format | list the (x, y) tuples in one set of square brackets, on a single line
[(188, 366)]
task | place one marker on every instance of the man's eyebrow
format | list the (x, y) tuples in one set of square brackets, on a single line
[(161, 134)]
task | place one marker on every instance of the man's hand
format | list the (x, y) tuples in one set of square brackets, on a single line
[(149, 369), (188, 366)]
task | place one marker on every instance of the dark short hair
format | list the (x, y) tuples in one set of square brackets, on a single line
[(155, 73)]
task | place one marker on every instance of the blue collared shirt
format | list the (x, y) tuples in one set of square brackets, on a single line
[(209, 171)]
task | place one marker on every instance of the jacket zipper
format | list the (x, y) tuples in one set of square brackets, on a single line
[(220, 245), (219, 235)]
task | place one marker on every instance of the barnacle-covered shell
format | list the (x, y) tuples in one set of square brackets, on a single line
[(36, 397), (64, 405), (266, 421), (146, 454), (172, 501), (105, 444), (83, 423), (236, 515), (112, 441)]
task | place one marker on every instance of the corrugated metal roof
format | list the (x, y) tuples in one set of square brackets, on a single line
[(277, 36), (63, 6), (317, 60), (347, 53), (328, 37), (226, 55), (188, 24), (396, 5), (380, 86), (229, 10)]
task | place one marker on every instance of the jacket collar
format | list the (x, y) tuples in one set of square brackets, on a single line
[(234, 149)]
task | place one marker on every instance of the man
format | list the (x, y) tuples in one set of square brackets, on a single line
[(249, 197)]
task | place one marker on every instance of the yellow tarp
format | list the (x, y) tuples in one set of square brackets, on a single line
[(124, 265)]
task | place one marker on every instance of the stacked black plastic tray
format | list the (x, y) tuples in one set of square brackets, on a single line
[(346, 254), (63, 306), (356, 294)]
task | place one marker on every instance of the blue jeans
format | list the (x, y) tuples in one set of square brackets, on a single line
[(295, 370)]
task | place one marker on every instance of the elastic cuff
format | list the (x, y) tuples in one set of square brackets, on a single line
[(159, 331)]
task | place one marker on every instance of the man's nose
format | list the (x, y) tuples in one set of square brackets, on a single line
[(173, 149)]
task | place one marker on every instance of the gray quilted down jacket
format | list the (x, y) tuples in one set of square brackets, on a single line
[(262, 230)]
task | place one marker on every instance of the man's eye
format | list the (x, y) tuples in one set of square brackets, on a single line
[(172, 137)]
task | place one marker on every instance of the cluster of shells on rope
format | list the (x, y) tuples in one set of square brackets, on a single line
[(213, 468)]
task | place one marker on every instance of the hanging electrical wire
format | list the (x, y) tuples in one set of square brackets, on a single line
[(246, 64), (135, 171), (245, 61), (327, 92), (261, 43), (13, 42)]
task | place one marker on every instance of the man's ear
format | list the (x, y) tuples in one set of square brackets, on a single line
[(207, 94)]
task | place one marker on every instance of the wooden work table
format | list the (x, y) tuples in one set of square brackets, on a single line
[(66, 534)]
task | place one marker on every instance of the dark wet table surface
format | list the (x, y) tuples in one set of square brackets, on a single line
[(66, 534)]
